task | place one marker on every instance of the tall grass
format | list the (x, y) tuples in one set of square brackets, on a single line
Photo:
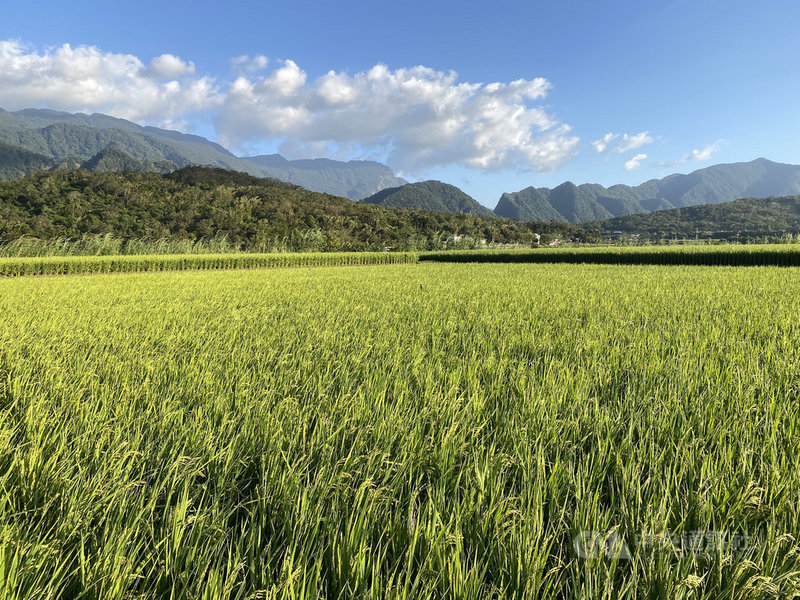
[(432, 431), (110, 245)]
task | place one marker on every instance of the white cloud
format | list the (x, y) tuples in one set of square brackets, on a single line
[(601, 144), (335, 88), (634, 141), (705, 153), (633, 163), (417, 117), (169, 66), (695, 155), (85, 79), (414, 118), (285, 82), (628, 142)]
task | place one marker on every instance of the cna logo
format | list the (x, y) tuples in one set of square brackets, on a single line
[(595, 544)]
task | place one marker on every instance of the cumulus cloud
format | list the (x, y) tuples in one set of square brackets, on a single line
[(85, 79), (413, 118), (418, 116), (169, 66), (626, 142), (633, 163), (695, 155)]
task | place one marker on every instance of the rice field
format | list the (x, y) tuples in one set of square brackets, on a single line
[(417, 430), (782, 255), (87, 265)]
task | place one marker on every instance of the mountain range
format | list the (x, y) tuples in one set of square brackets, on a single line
[(592, 202), (760, 178), (35, 139)]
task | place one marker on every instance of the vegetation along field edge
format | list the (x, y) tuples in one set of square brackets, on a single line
[(766, 255)]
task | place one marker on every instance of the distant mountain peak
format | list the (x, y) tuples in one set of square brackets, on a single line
[(715, 184)]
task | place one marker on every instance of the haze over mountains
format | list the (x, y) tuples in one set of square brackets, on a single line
[(36, 139)]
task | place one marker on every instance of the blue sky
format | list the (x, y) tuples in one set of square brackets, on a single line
[(607, 92)]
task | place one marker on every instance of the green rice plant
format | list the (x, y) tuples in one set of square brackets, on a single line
[(407, 431), (71, 265), (733, 255)]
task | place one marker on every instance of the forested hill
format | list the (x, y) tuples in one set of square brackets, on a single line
[(430, 195), (749, 217), (260, 214), (16, 161)]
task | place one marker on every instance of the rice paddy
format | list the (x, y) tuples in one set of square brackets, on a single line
[(402, 431), (782, 255), (86, 265), (742, 255)]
